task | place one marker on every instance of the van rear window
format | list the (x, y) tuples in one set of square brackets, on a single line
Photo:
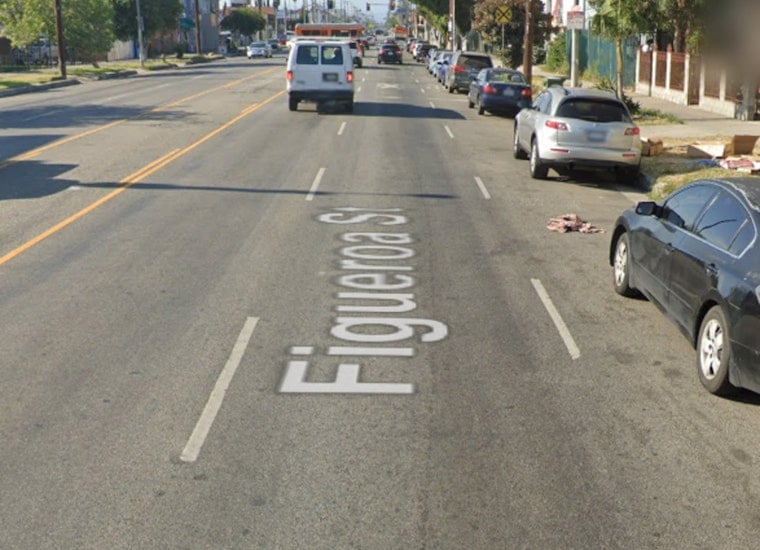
[(308, 55), (332, 56)]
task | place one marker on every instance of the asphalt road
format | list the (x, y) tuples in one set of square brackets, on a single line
[(228, 325)]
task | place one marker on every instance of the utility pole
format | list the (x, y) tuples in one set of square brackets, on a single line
[(197, 29), (139, 35), (528, 42), (59, 34)]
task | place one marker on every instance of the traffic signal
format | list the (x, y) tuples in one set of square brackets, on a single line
[(368, 7)]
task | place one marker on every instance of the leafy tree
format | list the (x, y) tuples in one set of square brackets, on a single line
[(159, 17), (245, 21), (616, 20), (87, 24), (484, 21)]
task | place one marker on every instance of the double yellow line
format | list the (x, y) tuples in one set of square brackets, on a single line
[(132, 179)]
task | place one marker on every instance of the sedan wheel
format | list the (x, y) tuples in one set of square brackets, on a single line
[(714, 352), (481, 110), (537, 169), (621, 267)]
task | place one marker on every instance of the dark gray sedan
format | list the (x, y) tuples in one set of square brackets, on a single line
[(499, 91), (696, 256)]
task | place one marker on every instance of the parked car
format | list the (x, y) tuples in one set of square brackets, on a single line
[(440, 66), (463, 67), (320, 72), (431, 57), (259, 49), (569, 128), (696, 256), (499, 91), (421, 51), (274, 44), (389, 53)]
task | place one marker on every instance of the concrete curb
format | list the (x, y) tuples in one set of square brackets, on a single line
[(39, 87)]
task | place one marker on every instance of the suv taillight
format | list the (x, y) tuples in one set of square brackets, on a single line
[(349, 76), (557, 125), (289, 76)]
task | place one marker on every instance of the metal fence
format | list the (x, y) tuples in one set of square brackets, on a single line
[(599, 56)]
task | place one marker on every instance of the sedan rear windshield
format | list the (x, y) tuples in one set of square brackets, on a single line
[(594, 110), (391, 47)]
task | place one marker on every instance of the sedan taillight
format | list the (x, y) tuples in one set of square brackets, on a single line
[(488, 89), (526, 92), (557, 125), (632, 131)]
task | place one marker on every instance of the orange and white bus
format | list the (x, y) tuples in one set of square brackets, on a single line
[(336, 30)]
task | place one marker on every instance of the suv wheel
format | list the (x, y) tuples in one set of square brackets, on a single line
[(537, 168), (517, 151), (292, 104)]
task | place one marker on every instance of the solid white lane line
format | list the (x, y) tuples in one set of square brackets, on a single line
[(342, 127), (448, 131), (557, 318), (483, 189), (359, 89), (214, 403), (315, 184)]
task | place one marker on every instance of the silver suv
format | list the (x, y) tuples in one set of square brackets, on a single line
[(463, 67), (568, 128)]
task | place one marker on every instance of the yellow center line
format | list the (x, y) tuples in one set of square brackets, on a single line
[(133, 179), (34, 152)]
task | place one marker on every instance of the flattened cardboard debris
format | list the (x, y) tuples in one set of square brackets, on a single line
[(706, 150), (741, 145)]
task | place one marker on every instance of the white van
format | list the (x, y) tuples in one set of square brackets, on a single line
[(320, 72)]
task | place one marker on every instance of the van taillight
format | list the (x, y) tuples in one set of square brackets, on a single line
[(349, 76), (289, 76)]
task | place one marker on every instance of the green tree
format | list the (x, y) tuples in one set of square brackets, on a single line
[(245, 21), (616, 20), (159, 17), (484, 21), (87, 24)]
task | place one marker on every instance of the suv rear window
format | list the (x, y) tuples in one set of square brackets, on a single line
[(475, 61), (593, 110)]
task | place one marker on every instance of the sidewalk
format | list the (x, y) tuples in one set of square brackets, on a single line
[(697, 123)]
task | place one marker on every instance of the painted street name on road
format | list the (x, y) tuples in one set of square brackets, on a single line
[(375, 270)]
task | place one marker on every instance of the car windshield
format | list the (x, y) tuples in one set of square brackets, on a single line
[(593, 110)]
